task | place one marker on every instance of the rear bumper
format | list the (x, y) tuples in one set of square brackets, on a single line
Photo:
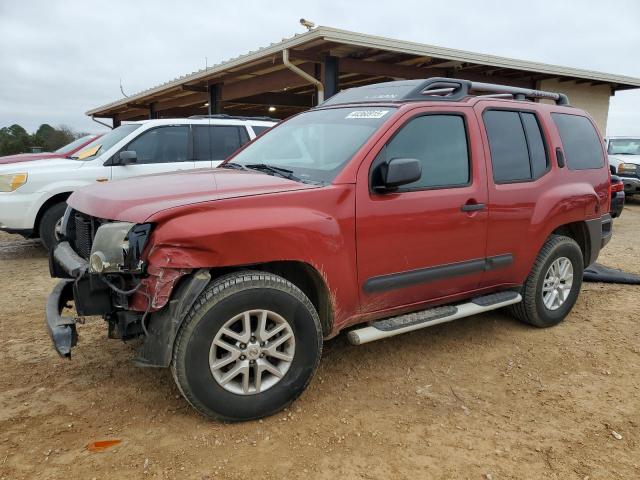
[(600, 232), (62, 330), (617, 203)]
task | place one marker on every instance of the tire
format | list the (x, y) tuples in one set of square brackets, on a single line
[(230, 297), (532, 309), (48, 222)]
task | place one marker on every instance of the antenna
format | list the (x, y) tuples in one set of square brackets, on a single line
[(122, 89)]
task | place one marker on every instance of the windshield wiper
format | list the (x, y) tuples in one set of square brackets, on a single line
[(235, 166), (279, 171)]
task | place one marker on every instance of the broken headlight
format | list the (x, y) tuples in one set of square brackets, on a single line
[(117, 247)]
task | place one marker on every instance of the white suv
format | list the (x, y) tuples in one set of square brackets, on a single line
[(33, 194)]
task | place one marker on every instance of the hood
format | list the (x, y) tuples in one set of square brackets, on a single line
[(27, 157), (618, 159), (136, 199), (44, 166)]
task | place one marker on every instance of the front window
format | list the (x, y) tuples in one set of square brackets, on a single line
[(624, 146), (105, 142), (70, 147), (316, 145)]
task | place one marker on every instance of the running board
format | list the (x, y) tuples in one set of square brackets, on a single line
[(390, 327)]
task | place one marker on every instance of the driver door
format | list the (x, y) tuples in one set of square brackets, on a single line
[(426, 240)]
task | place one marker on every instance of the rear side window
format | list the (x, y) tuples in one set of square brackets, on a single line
[(217, 142), (517, 147), (440, 143), (582, 147)]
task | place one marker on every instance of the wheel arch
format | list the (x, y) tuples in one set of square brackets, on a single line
[(157, 350), (579, 232), (57, 198), (304, 276)]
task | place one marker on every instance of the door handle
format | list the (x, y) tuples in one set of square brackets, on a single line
[(472, 207)]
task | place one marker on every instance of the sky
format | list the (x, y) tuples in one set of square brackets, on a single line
[(60, 58)]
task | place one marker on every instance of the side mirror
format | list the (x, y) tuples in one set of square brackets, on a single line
[(126, 157), (398, 172)]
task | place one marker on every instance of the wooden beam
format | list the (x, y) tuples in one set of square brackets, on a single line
[(144, 106), (134, 113), (194, 88), (277, 100), (185, 100), (269, 82), (363, 67)]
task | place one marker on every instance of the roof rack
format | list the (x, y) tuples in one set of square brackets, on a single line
[(223, 116), (438, 88)]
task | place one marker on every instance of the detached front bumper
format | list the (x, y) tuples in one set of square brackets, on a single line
[(62, 330), (63, 263)]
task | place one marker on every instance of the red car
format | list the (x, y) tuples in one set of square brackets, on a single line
[(386, 209), (65, 151)]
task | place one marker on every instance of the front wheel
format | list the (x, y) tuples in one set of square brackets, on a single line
[(248, 347), (553, 285), (49, 223)]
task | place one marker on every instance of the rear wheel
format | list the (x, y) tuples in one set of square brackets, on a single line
[(248, 347), (552, 287), (49, 223)]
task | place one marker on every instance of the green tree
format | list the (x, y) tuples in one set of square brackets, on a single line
[(14, 139)]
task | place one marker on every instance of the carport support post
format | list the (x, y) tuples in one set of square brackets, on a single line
[(152, 111), (215, 93), (330, 76), (116, 121)]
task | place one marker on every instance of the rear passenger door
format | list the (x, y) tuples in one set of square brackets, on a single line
[(214, 143), (518, 165), (159, 149)]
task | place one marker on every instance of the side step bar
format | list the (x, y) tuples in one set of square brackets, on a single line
[(390, 327)]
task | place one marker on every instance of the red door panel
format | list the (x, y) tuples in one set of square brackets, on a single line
[(418, 246)]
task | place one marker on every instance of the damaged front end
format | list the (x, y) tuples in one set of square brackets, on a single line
[(104, 274)]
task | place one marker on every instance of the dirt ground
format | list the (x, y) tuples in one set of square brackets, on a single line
[(483, 397)]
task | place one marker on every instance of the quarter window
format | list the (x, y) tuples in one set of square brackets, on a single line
[(440, 143), (518, 152), (162, 145), (582, 147), (217, 142)]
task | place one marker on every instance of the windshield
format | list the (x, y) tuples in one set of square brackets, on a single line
[(105, 142), (73, 145), (315, 145), (624, 146)]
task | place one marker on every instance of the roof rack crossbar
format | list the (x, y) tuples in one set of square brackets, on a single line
[(453, 89)]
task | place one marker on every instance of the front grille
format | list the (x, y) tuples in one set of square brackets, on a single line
[(81, 232)]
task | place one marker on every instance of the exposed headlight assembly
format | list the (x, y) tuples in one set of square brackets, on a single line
[(12, 181), (117, 247), (627, 168)]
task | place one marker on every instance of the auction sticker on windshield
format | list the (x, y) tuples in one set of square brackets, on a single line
[(367, 114), (88, 152)]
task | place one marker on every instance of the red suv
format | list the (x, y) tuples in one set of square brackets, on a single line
[(386, 209)]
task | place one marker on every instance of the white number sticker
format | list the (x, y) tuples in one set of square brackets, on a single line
[(367, 114)]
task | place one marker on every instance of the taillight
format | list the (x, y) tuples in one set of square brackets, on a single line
[(617, 187)]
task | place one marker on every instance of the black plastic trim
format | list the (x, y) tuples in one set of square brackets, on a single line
[(600, 232), (62, 330), (394, 281)]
